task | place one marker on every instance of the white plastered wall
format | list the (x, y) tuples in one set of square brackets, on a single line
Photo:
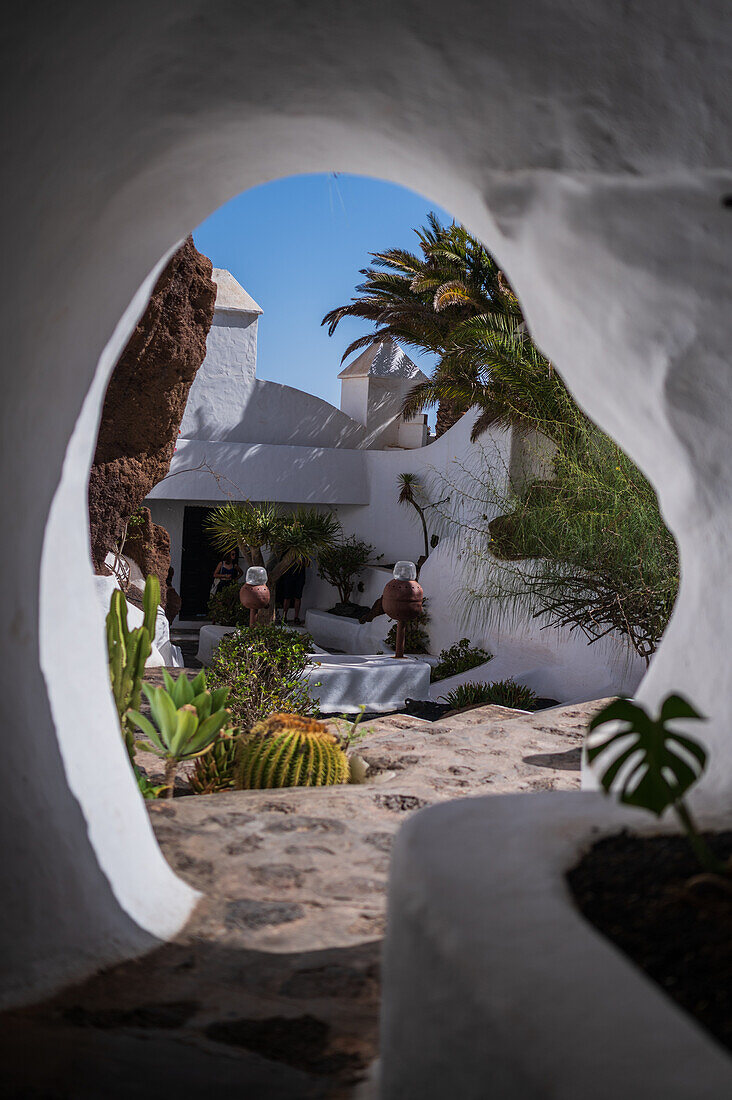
[(589, 147)]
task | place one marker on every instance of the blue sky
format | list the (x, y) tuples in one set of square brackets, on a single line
[(297, 246)]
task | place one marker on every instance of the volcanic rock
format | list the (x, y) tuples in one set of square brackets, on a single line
[(144, 406)]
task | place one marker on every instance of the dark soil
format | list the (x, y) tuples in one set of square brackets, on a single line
[(637, 892), (349, 610), (415, 708)]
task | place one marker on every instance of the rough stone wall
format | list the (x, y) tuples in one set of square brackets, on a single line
[(148, 544), (143, 408)]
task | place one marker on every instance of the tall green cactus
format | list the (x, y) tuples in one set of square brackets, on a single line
[(287, 750), (128, 651)]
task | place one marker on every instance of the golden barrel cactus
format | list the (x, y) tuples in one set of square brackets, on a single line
[(287, 750)]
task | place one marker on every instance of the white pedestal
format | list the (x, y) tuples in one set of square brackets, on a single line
[(208, 640), (345, 683), (347, 635)]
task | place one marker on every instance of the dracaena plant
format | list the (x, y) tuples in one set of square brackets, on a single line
[(651, 765), (186, 720)]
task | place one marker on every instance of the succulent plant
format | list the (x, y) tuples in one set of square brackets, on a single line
[(287, 750), (214, 771), (502, 693), (128, 650), (188, 720)]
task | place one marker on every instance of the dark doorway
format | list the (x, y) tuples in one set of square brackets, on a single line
[(198, 561)]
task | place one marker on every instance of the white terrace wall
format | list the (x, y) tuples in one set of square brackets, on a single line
[(361, 486), (587, 145)]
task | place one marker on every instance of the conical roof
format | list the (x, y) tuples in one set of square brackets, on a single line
[(231, 295), (383, 360)]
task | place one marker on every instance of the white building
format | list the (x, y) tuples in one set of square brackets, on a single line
[(243, 438)]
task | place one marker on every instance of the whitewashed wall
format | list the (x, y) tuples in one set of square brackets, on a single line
[(588, 153)]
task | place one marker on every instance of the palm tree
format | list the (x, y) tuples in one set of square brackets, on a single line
[(287, 538), (496, 367), (419, 299), (410, 490)]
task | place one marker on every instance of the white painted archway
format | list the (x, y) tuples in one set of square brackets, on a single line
[(587, 146)]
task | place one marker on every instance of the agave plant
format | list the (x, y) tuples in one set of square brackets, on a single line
[(501, 693), (651, 765), (187, 720)]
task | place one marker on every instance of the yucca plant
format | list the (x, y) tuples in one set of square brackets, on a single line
[(187, 719), (128, 650), (287, 750), (266, 535)]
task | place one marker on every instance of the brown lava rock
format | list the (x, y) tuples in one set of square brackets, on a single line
[(144, 405), (148, 544)]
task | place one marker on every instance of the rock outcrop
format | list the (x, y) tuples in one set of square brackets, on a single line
[(148, 544), (143, 408)]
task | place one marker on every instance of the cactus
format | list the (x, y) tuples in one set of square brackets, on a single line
[(188, 718), (287, 750), (214, 771), (128, 650)]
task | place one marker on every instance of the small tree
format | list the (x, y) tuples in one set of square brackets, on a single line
[(412, 493), (266, 535), (343, 563)]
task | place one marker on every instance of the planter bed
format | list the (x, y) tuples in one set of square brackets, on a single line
[(496, 985), (634, 890), (342, 684)]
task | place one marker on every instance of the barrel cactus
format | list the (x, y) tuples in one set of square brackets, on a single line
[(287, 750)]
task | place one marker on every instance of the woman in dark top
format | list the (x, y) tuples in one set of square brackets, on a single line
[(227, 571)]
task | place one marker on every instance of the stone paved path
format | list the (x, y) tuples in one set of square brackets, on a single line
[(272, 988)]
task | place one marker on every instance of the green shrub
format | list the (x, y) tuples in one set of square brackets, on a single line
[(225, 608), (459, 658), (343, 563), (416, 637), (502, 693), (263, 668)]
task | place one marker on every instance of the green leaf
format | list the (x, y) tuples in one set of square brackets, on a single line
[(218, 698), (186, 724), (199, 682), (203, 704), (656, 765), (185, 692), (165, 715), (145, 726)]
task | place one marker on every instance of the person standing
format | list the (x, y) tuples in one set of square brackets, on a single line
[(227, 571), (290, 587)]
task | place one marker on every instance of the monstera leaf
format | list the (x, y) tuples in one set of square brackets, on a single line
[(655, 764)]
